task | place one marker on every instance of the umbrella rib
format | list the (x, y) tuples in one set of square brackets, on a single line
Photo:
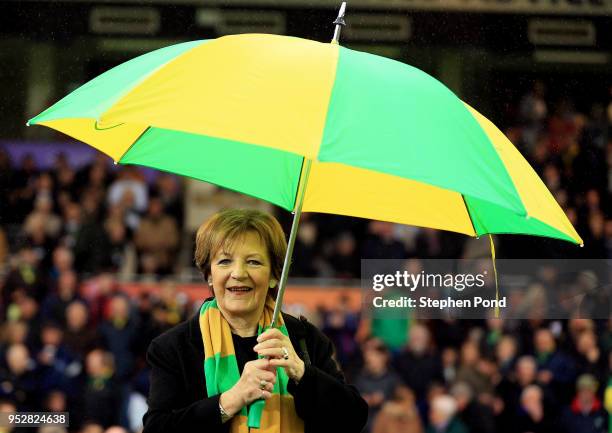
[(134, 142), (467, 209), (297, 190)]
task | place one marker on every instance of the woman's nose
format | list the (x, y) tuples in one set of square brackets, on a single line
[(238, 271)]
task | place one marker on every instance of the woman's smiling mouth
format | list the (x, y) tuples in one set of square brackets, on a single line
[(239, 289)]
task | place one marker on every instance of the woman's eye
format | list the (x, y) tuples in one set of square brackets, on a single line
[(254, 262), (223, 261)]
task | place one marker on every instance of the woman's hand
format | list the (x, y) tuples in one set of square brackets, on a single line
[(276, 346), (256, 381)]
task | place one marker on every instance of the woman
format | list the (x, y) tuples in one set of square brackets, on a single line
[(223, 370)]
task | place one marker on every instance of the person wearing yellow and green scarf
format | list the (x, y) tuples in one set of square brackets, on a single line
[(225, 369)]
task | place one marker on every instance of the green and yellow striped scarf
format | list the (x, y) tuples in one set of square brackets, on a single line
[(275, 415)]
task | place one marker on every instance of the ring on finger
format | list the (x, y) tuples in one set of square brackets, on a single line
[(285, 353), (262, 384)]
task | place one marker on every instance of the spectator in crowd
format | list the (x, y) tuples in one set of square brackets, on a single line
[(157, 237), (154, 320), (552, 178), (71, 224), (24, 277), (62, 261), (79, 337), (376, 382), (477, 417), (576, 326), (505, 354), (470, 369), (18, 381), (585, 414), (130, 192), (590, 359), (344, 259), (23, 187), (8, 406), (55, 401), (41, 244), (43, 215), (307, 249), (554, 367), (533, 111), (442, 416), (380, 243), (594, 301), (387, 324), (172, 303), (511, 388), (120, 256), (158, 313), (64, 177), (13, 332), (493, 333), (450, 364), (101, 394), (167, 188), (91, 245), (448, 331), (340, 325), (26, 309), (419, 363), (98, 293), (96, 174), (54, 306), (44, 188), (399, 415), (57, 367), (429, 244), (120, 333), (533, 416)]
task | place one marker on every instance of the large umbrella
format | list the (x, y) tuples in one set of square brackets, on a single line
[(316, 127)]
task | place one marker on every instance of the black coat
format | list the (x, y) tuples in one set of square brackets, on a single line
[(177, 397)]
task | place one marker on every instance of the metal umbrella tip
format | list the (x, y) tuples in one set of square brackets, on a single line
[(339, 22), (341, 13)]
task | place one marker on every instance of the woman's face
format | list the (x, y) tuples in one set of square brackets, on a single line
[(241, 277)]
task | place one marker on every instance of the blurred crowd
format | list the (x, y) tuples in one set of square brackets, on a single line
[(465, 376), (108, 220), (72, 340)]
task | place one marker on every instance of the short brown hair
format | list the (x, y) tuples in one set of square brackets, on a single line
[(223, 228)]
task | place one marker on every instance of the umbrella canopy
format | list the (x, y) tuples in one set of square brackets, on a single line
[(383, 140)]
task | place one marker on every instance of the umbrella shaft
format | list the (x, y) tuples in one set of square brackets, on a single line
[(294, 226), (337, 31)]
